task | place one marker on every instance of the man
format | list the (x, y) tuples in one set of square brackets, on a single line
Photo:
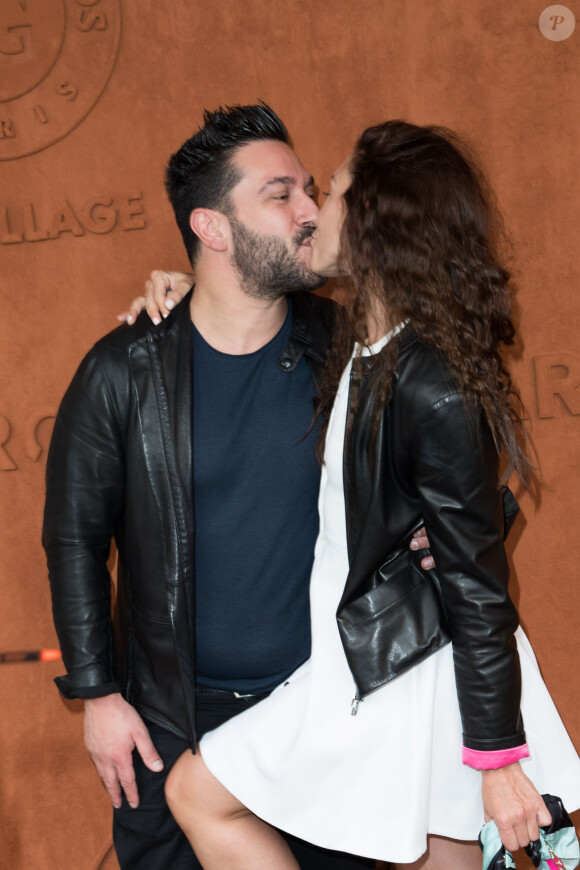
[(188, 442)]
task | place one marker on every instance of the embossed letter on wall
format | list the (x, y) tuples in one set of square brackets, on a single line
[(30, 442), (56, 57), (100, 214), (557, 375)]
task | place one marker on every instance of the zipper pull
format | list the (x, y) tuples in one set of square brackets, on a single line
[(354, 705)]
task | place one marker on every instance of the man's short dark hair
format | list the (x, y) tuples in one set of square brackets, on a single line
[(201, 174)]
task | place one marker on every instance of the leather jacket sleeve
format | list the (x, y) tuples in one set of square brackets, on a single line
[(455, 470), (84, 500)]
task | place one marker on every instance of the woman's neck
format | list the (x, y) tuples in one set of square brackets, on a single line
[(379, 322)]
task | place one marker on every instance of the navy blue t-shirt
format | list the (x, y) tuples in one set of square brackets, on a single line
[(256, 490)]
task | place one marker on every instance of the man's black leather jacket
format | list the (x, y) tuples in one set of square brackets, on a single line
[(433, 463), (120, 467)]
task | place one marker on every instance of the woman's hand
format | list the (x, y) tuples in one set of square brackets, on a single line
[(163, 291), (420, 541), (512, 801)]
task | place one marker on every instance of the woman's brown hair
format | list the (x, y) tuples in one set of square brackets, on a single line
[(418, 241)]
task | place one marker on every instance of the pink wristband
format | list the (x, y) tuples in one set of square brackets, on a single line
[(494, 758)]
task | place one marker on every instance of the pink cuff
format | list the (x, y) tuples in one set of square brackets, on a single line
[(495, 758)]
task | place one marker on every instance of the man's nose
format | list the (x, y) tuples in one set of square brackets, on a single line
[(308, 211)]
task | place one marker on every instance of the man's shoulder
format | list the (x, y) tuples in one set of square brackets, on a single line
[(108, 360), (123, 337)]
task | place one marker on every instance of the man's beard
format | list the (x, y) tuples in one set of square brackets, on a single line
[(267, 269)]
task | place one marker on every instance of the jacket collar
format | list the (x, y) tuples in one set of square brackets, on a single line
[(310, 334), (406, 338)]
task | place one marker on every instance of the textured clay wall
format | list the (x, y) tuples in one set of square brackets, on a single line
[(94, 95)]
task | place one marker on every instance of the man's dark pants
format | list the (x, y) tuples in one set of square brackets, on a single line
[(148, 838)]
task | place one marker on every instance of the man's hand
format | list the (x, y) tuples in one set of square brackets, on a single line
[(163, 291), (512, 801), (420, 541), (113, 728)]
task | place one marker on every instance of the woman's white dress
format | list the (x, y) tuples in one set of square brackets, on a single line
[(377, 783)]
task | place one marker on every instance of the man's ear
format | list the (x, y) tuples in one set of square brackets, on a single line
[(210, 227)]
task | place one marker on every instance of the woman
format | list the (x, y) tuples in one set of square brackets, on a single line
[(416, 417)]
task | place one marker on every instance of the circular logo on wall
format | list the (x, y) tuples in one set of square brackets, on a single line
[(56, 57), (557, 23)]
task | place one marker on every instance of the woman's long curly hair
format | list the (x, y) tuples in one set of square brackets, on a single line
[(418, 242)]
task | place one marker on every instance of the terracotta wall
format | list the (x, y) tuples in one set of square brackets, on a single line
[(94, 95)]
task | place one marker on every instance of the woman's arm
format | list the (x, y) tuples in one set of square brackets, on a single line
[(455, 472), (455, 466)]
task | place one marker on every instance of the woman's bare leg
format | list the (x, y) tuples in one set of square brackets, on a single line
[(445, 854), (224, 834)]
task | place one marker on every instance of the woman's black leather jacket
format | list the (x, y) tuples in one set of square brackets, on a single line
[(432, 463)]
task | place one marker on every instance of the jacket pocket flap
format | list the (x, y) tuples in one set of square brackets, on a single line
[(394, 581)]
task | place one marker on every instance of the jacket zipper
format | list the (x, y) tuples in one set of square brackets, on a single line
[(357, 696), (345, 464), (354, 704)]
